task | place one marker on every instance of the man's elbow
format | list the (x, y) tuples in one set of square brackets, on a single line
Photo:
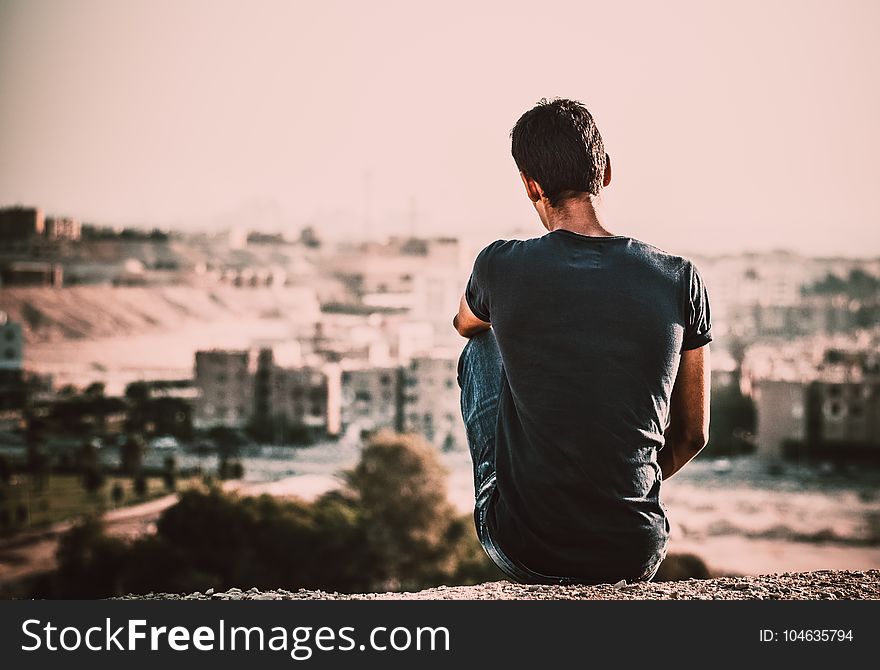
[(472, 330), (468, 330), (459, 328), (695, 441)]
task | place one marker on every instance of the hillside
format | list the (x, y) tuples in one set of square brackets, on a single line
[(93, 312)]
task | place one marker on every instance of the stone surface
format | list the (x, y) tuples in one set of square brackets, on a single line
[(820, 585)]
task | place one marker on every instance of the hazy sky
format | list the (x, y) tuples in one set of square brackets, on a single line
[(731, 125)]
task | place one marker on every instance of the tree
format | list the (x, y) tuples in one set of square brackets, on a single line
[(117, 493), (5, 470), (89, 465), (390, 527), (132, 453), (37, 460), (140, 485), (733, 423), (169, 473), (400, 485), (90, 563), (94, 390)]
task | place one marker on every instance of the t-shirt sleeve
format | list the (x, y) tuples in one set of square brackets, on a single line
[(698, 317), (477, 293)]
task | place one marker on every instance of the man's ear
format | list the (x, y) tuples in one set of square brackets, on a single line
[(606, 179), (533, 189)]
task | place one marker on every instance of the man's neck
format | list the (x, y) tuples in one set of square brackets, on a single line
[(579, 215)]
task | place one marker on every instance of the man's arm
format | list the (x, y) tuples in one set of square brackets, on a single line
[(466, 323), (688, 430)]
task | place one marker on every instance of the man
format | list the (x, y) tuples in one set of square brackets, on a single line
[(585, 381)]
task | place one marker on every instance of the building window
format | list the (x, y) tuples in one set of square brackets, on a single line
[(9, 354), (385, 380)]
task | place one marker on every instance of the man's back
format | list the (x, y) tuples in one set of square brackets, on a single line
[(590, 331)]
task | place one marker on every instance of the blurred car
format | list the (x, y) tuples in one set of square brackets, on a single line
[(164, 442)]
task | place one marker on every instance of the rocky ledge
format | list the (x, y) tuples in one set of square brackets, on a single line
[(819, 585)]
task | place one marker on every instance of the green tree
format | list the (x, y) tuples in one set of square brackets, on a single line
[(90, 563), (169, 473), (89, 465), (117, 493), (733, 423), (132, 453), (139, 484), (400, 486), (5, 470)]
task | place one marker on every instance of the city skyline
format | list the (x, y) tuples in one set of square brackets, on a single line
[(730, 129)]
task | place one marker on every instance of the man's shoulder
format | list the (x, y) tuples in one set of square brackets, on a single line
[(639, 251), (496, 250), (662, 260), (499, 245)]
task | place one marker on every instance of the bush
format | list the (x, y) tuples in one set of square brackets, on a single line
[(140, 486), (676, 567), (90, 563), (92, 480), (5, 470), (399, 484), (389, 527), (169, 473)]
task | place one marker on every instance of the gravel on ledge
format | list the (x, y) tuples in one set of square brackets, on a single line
[(819, 585)]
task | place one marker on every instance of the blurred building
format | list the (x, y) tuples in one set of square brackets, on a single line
[(291, 403), (421, 277), (19, 226), (757, 295), (818, 398), (225, 389), (432, 401), (62, 228), (371, 397), (31, 273), (780, 408), (12, 390)]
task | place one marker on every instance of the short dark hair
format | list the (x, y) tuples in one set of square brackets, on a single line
[(557, 144)]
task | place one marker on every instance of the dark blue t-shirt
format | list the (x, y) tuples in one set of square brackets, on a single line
[(591, 331)]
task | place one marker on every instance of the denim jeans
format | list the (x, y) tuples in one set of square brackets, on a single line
[(480, 377)]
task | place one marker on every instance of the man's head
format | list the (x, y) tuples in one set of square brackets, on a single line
[(559, 152)]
